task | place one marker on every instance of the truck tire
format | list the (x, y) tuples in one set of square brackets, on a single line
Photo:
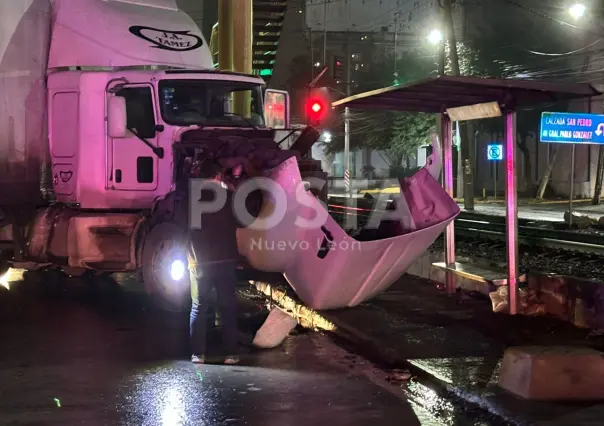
[(164, 246)]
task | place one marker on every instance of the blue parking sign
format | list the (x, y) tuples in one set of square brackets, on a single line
[(495, 152)]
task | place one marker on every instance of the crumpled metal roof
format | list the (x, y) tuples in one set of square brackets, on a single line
[(436, 94)]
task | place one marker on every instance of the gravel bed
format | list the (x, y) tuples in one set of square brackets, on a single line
[(544, 260)]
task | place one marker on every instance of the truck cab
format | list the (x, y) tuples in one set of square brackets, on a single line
[(111, 133), (98, 93)]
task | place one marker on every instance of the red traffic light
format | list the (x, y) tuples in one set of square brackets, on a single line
[(317, 107)]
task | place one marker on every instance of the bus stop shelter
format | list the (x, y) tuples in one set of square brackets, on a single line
[(471, 98)]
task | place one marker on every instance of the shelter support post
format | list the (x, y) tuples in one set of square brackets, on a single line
[(571, 194), (494, 180), (347, 123), (446, 137), (511, 213)]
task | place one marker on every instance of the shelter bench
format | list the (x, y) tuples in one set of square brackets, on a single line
[(489, 275)]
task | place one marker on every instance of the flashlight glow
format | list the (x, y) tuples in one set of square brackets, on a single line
[(177, 270), (4, 280)]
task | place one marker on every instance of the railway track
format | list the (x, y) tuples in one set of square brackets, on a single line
[(482, 227), (531, 236)]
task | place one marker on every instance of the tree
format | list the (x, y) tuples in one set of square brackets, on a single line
[(599, 177), (547, 172)]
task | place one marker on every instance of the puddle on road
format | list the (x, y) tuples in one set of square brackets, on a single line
[(433, 405), (463, 371), (433, 409)]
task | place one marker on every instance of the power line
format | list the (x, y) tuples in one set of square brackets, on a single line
[(551, 18), (564, 54)]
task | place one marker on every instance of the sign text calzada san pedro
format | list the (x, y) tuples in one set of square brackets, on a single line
[(563, 127)]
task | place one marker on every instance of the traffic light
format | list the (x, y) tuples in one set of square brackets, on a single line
[(396, 81), (318, 104), (338, 68), (316, 111)]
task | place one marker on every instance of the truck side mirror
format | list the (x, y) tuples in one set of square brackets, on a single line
[(276, 109), (117, 126)]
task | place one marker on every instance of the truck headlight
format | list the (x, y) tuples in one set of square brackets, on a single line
[(177, 270)]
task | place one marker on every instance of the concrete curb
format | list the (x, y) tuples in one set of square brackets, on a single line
[(579, 301)]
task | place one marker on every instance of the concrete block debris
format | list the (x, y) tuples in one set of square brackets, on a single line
[(275, 329), (553, 373)]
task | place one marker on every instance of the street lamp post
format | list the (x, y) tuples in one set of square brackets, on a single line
[(577, 11), (435, 37)]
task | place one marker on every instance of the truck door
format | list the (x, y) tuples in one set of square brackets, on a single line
[(134, 165)]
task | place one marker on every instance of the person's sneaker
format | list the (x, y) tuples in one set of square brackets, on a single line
[(198, 359), (231, 360)]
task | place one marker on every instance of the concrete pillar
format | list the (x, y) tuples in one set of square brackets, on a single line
[(243, 32), (226, 10)]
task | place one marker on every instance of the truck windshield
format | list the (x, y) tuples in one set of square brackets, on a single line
[(211, 102)]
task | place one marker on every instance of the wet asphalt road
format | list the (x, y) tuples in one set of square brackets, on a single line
[(87, 360)]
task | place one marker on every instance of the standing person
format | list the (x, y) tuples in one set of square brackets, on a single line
[(213, 264)]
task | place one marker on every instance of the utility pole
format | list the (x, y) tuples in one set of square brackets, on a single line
[(441, 45), (441, 71), (599, 177), (450, 36), (465, 181), (394, 56), (571, 195), (312, 54), (325, 32), (600, 168), (347, 119)]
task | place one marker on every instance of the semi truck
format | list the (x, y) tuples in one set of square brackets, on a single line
[(106, 109), (94, 96)]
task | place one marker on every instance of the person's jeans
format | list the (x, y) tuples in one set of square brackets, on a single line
[(223, 278)]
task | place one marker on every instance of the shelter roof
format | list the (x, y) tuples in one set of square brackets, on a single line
[(437, 94)]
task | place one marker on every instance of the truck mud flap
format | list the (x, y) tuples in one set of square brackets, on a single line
[(326, 267)]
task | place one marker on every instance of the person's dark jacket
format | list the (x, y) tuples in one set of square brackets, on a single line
[(216, 241)]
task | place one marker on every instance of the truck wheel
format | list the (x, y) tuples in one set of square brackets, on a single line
[(164, 267)]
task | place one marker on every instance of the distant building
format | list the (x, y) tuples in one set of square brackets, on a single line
[(371, 16)]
